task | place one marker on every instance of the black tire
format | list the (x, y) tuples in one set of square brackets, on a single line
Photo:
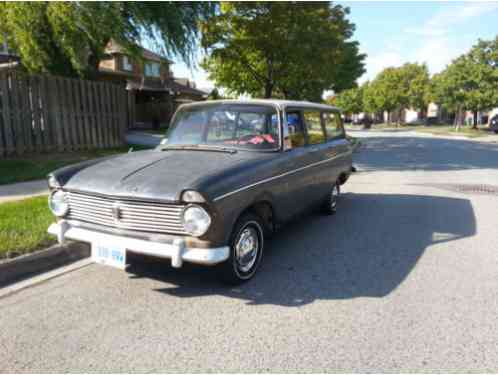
[(496, 131), (233, 271), (330, 204)]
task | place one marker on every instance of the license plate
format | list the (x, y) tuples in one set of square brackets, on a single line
[(109, 254)]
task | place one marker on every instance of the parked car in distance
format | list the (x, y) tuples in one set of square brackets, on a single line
[(228, 174), (493, 124)]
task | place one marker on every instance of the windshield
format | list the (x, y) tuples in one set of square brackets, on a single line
[(241, 126)]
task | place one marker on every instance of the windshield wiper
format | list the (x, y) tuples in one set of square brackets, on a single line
[(199, 147)]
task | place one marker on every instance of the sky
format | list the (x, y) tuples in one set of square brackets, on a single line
[(392, 33)]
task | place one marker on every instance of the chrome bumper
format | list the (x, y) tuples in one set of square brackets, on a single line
[(177, 251)]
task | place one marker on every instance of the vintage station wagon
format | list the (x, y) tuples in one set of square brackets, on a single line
[(228, 174)]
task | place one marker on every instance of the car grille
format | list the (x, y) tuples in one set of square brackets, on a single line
[(124, 214)]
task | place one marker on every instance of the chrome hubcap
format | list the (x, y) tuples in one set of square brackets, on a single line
[(334, 194), (246, 249)]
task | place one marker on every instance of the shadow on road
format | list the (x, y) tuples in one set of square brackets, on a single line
[(429, 154), (367, 249)]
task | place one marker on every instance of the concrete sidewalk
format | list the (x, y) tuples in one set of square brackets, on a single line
[(22, 190)]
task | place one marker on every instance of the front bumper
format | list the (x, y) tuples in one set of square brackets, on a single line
[(176, 251)]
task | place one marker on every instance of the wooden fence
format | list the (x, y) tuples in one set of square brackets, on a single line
[(41, 113)]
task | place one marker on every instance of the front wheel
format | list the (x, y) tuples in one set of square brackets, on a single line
[(246, 250)]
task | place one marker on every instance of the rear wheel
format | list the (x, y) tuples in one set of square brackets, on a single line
[(246, 250)]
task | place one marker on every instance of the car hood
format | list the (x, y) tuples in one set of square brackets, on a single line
[(154, 175)]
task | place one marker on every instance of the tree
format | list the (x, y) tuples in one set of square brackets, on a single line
[(369, 103), (470, 82), (350, 101), (214, 95), (385, 93), (69, 38), (290, 50), (415, 80), (396, 89), (444, 91)]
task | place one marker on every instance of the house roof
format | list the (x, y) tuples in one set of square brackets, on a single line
[(179, 87), (114, 47), (165, 86)]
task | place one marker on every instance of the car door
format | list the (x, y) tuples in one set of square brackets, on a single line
[(316, 146), (337, 148), (295, 161)]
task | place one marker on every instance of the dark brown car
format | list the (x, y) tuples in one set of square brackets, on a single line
[(227, 174)]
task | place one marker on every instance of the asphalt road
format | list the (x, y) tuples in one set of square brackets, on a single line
[(403, 278)]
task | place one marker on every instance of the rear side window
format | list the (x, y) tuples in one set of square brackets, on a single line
[(333, 125), (314, 127), (296, 129)]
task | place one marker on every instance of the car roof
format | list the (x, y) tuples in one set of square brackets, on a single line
[(274, 102)]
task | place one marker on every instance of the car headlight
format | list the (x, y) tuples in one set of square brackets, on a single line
[(196, 220), (57, 202)]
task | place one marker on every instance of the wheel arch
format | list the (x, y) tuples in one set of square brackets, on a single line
[(263, 207)]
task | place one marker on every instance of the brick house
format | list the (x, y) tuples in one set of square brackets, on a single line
[(153, 89), (154, 94)]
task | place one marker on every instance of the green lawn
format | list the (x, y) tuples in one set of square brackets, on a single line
[(37, 166), (23, 226), (466, 131), (437, 129)]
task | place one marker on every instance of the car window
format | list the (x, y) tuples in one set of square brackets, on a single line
[(314, 127), (250, 127), (296, 129), (221, 126), (333, 125)]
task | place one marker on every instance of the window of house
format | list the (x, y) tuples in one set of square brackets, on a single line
[(152, 69), (296, 129), (333, 125), (127, 65), (314, 127), (3, 47)]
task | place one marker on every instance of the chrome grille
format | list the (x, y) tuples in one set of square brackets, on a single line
[(132, 215)]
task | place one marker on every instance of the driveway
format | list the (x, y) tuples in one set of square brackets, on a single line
[(403, 278), (22, 190)]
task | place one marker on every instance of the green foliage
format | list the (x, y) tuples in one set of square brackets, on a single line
[(395, 89), (214, 95), (385, 91), (282, 49), (349, 101), (470, 82), (69, 38), (416, 81)]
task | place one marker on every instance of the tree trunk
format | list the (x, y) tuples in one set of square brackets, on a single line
[(423, 116), (388, 117), (474, 126), (268, 90), (458, 118)]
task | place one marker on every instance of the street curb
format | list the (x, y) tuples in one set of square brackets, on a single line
[(19, 268)]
